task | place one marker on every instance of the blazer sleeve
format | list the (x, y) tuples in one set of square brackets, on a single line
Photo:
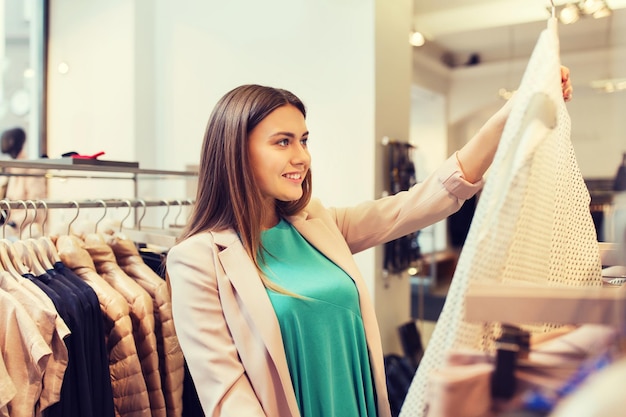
[(379, 221), (218, 374)]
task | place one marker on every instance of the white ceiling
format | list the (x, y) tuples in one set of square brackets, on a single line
[(499, 30)]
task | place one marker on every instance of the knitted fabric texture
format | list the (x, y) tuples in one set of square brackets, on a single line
[(532, 222)]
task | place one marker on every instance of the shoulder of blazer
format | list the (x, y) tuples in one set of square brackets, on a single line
[(314, 210), (208, 239)]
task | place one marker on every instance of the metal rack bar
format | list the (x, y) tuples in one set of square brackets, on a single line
[(19, 204)]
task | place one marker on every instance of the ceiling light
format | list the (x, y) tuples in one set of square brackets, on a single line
[(417, 39), (591, 6), (610, 85), (602, 12), (505, 93), (569, 14)]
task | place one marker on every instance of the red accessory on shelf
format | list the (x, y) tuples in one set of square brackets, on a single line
[(94, 156)]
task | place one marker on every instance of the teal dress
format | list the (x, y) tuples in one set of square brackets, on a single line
[(322, 330)]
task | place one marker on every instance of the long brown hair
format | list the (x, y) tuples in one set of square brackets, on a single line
[(228, 196)]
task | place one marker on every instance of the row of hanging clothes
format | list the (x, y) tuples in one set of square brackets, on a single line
[(88, 327)]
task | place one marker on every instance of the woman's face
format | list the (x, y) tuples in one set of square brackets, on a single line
[(279, 155)]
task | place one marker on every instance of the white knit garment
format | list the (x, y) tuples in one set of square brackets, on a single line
[(532, 222)]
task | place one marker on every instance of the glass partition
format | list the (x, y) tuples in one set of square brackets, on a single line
[(23, 33)]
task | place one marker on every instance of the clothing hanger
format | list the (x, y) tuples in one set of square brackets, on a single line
[(167, 205), (5, 257), (104, 214), (101, 236), (175, 225), (150, 236), (69, 225), (135, 234), (552, 21), (163, 230), (26, 256), (9, 256), (37, 245), (120, 234), (44, 242)]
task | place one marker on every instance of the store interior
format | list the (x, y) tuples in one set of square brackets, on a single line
[(138, 79), (111, 79)]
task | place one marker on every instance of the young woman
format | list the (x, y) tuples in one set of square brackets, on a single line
[(271, 312)]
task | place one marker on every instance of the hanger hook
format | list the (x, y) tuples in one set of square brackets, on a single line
[(180, 210), (7, 216), (130, 209), (143, 214), (30, 226), (167, 204), (104, 204), (69, 226), (45, 215), (21, 228)]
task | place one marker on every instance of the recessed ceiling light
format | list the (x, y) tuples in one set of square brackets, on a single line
[(602, 12), (569, 14), (591, 6), (417, 39)]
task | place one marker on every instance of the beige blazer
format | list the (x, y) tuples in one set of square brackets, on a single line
[(226, 324)]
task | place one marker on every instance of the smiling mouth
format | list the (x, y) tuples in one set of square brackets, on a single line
[(293, 176)]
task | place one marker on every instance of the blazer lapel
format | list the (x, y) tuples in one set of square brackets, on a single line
[(244, 277)]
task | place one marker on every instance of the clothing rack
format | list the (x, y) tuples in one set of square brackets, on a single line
[(148, 289)]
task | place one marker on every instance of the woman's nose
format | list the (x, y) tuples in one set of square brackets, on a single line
[(301, 155)]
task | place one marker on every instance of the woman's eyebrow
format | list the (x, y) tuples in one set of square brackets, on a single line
[(289, 134)]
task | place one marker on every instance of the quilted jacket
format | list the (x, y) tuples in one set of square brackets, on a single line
[(130, 394), (171, 360)]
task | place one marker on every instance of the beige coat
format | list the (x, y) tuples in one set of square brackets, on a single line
[(141, 313), (130, 393), (171, 361), (224, 319)]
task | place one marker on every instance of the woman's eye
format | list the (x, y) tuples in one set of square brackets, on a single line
[(304, 141), (283, 142)]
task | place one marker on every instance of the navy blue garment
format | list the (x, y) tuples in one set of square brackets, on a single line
[(70, 310), (75, 304), (97, 355)]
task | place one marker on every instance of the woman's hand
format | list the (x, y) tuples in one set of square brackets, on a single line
[(477, 154), (566, 84)]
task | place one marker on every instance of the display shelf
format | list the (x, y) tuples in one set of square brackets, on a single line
[(121, 171), (59, 165)]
